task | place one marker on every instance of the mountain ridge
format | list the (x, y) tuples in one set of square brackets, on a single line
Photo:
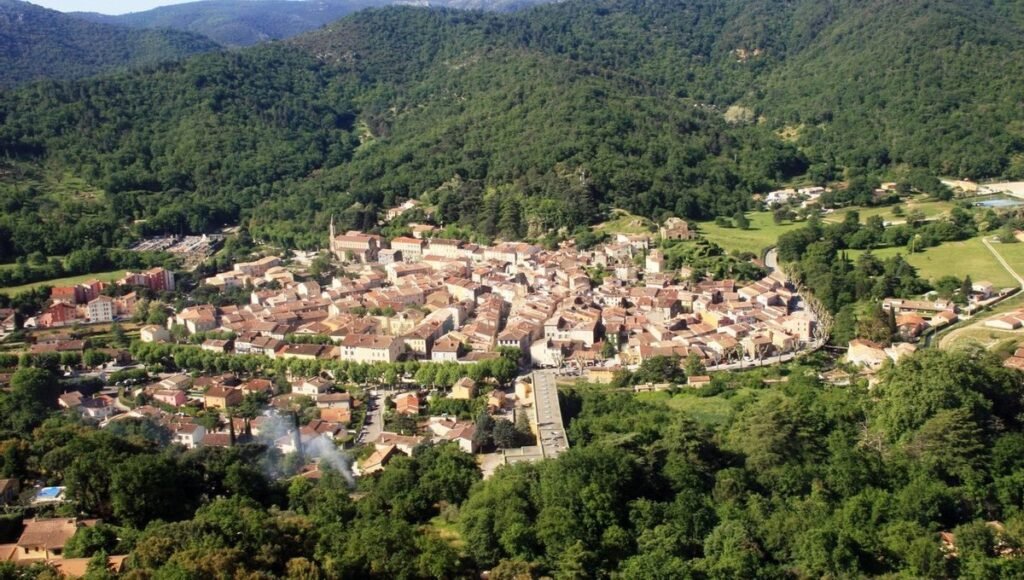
[(658, 107), (248, 22), (37, 43)]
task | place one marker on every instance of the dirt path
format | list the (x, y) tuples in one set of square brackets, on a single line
[(1003, 262)]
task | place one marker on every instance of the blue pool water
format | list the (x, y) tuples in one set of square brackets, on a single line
[(49, 493), (998, 203)]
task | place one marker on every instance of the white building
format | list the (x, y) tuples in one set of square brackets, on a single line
[(101, 309)]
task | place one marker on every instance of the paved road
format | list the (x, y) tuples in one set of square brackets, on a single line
[(374, 423), (771, 259), (553, 440)]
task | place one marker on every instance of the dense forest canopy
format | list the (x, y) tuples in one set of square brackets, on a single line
[(657, 107), (919, 477), (248, 22), (36, 43)]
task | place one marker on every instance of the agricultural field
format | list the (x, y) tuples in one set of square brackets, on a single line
[(71, 280), (929, 207), (958, 259), (762, 233), (1013, 254), (986, 337)]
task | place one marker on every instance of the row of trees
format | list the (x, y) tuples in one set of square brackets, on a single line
[(172, 357)]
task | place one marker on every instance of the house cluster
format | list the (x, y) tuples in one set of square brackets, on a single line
[(400, 210), (1009, 321), (448, 300), (170, 398), (96, 408), (871, 355), (42, 540), (442, 428), (86, 302), (912, 318), (806, 196)]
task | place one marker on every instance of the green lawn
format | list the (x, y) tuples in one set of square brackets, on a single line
[(980, 334), (958, 259), (930, 208), (714, 410), (445, 530), (104, 276), (1013, 254), (762, 233)]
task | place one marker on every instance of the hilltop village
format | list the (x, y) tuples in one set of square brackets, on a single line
[(484, 314)]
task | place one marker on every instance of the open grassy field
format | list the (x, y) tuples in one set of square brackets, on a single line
[(1013, 254), (975, 329), (763, 233), (929, 207), (957, 259), (104, 276), (446, 530), (708, 410), (986, 337), (623, 222)]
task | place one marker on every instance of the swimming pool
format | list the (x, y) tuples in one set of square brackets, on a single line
[(1000, 203)]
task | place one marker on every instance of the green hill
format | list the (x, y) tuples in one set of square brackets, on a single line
[(36, 43), (248, 22), (239, 22), (515, 123)]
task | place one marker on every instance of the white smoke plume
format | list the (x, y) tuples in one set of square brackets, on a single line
[(275, 427)]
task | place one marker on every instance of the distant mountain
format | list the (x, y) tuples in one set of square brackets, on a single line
[(37, 43), (247, 22), (544, 118), (239, 22)]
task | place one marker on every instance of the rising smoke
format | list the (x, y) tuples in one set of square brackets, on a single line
[(278, 429)]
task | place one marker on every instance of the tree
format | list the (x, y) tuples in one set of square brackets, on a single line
[(931, 381), (118, 337), (446, 473), (524, 433), (88, 541), (741, 221), (608, 350), (966, 288), (484, 435), (694, 365), (732, 551), (504, 434), (149, 487), (33, 392), (94, 358)]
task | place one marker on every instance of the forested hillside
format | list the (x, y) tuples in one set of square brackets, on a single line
[(248, 22), (920, 477), (553, 114), (239, 22), (36, 43)]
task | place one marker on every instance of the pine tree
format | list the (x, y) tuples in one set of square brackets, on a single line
[(966, 287), (510, 224)]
